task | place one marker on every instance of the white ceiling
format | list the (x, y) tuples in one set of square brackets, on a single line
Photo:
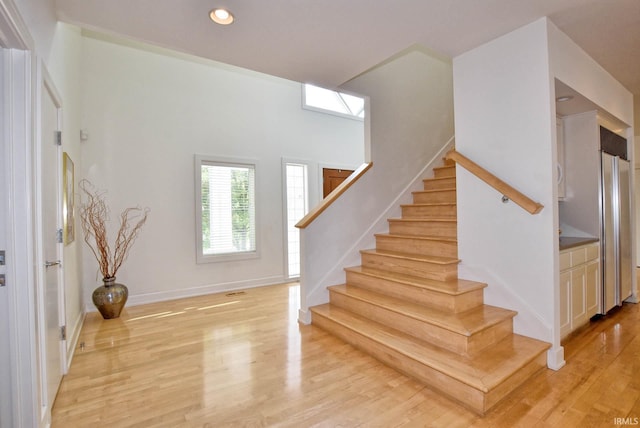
[(331, 41)]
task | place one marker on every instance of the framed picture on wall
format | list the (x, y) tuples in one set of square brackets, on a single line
[(68, 227)]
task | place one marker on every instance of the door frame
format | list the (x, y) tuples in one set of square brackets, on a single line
[(45, 86), (18, 131)]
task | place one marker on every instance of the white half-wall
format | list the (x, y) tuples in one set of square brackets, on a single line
[(505, 121), (147, 112), (410, 120)]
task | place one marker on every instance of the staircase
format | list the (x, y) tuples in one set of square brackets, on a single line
[(406, 306)]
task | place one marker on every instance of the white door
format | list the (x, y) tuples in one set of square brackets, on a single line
[(5, 357), (53, 296)]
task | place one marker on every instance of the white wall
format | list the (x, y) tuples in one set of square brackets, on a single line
[(505, 122), (410, 120), (148, 112), (65, 69), (582, 173), (40, 17), (571, 65)]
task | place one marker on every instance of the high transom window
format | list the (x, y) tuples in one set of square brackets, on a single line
[(333, 102)]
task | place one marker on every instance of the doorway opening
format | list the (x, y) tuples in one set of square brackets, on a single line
[(332, 178)]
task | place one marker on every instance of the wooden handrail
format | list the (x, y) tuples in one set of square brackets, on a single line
[(525, 202), (335, 194)]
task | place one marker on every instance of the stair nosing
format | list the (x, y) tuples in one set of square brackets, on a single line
[(458, 329), (421, 237), (430, 204), (439, 178), (447, 189), (417, 219), (415, 257), (415, 281)]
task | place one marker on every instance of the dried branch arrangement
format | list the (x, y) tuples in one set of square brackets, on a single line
[(94, 215)]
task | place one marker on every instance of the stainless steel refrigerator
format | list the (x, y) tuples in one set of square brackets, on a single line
[(615, 240)]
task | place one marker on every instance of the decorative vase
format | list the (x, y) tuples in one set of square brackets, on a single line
[(110, 298)]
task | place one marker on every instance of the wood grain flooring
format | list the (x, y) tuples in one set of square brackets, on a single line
[(242, 360)]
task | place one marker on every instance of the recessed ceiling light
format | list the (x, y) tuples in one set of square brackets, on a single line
[(221, 16), (564, 98)]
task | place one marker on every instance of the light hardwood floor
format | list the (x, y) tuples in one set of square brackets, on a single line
[(242, 360)]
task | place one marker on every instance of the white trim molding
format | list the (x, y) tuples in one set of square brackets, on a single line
[(13, 30)]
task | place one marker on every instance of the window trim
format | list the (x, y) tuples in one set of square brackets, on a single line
[(202, 258)]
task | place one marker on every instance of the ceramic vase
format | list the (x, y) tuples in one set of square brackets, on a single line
[(110, 298)]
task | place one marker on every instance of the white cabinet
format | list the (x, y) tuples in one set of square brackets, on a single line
[(565, 300), (579, 286)]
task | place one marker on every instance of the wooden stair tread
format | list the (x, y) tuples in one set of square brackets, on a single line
[(431, 204), (483, 372), (419, 237), (416, 257), (448, 189), (438, 178), (418, 220), (453, 287), (465, 323), (444, 167)]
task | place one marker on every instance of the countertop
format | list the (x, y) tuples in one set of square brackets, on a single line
[(570, 242)]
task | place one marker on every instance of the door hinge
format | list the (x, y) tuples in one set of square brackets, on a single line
[(58, 138), (63, 332), (59, 236)]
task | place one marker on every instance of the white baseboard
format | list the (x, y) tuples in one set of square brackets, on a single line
[(304, 316), (72, 340), (163, 296), (555, 358)]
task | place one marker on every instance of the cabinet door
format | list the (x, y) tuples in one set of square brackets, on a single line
[(578, 297), (565, 303), (593, 288)]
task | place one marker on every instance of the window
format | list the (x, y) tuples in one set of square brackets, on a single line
[(226, 213), (338, 103), (297, 207)]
